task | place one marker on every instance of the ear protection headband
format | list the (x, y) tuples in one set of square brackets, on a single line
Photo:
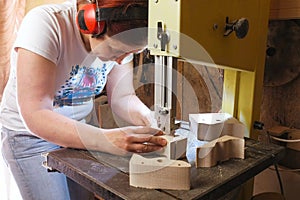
[(92, 19)]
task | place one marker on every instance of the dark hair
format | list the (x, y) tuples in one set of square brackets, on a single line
[(134, 31)]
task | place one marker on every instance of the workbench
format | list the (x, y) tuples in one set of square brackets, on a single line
[(107, 175)]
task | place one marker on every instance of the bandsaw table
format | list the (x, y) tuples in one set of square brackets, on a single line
[(107, 175)]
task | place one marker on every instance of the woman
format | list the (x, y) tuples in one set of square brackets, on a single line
[(58, 66)]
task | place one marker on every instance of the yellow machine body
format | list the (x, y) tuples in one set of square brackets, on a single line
[(195, 30), (204, 22)]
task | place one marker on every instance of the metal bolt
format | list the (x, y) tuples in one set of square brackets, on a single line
[(163, 112), (155, 1), (155, 46), (175, 46), (215, 27)]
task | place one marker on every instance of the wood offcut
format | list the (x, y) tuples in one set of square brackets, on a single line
[(219, 150), (159, 173)]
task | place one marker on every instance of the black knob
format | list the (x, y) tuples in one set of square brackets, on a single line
[(258, 125), (240, 27), (271, 51), (162, 36)]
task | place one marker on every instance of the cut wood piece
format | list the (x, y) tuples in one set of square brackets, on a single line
[(218, 150), (159, 173), (294, 140), (175, 148), (210, 126), (277, 131), (289, 136)]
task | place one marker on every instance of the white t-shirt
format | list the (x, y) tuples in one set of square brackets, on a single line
[(50, 31)]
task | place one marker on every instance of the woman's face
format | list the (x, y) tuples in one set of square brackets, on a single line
[(111, 49)]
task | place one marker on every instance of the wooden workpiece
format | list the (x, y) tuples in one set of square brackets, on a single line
[(219, 150), (159, 173), (175, 148), (210, 126)]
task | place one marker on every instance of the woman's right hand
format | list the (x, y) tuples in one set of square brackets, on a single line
[(134, 139)]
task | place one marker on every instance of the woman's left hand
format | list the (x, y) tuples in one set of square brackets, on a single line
[(134, 139)]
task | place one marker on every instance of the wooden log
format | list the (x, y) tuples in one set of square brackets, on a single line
[(159, 173), (219, 150)]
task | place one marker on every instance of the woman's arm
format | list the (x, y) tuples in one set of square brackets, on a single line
[(122, 97), (35, 88)]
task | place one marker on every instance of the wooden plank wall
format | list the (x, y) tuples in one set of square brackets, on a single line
[(281, 97), (285, 9)]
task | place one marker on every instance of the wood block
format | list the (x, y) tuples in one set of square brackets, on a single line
[(175, 148), (278, 130), (290, 138), (210, 126), (294, 137), (218, 150), (159, 173)]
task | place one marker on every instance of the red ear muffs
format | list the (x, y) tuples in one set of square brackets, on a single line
[(87, 20)]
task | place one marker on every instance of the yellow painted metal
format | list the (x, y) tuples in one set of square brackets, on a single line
[(167, 12), (204, 21), (238, 96), (242, 97), (249, 87), (192, 24), (230, 91)]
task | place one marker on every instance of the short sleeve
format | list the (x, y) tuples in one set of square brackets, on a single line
[(39, 33)]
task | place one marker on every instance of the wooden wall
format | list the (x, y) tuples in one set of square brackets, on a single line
[(281, 97), (284, 9)]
